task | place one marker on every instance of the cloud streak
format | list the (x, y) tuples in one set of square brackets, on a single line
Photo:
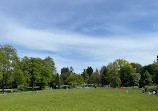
[(81, 33), (94, 51)]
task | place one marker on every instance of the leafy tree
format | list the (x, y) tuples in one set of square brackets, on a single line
[(85, 76), (51, 63), (95, 78), (38, 71), (65, 73), (125, 74), (134, 79), (20, 80), (120, 63), (65, 70), (74, 79), (116, 81), (145, 79), (112, 71), (103, 74), (45, 73), (71, 70), (89, 71), (8, 58), (57, 80), (151, 68), (137, 66)]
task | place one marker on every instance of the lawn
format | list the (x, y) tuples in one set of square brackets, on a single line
[(80, 100)]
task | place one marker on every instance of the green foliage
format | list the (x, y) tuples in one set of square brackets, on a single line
[(116, 81), (145, 79), (85, 76), (95, 78), (155, 76), (51, 63), (71, 70), (65, 73), (137, 66), (112, 71), (89, 71), (74, 79), (57, 81), (120, 63), (134, 79), (8, 59), (103, 74), (126, 75), (37, 70)]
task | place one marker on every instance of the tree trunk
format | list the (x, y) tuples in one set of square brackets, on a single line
[(32, 85), (3, 84)]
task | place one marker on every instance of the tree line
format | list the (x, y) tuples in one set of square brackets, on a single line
[(16, 72)]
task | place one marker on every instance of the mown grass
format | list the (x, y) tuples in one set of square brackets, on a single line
[(80, 100)]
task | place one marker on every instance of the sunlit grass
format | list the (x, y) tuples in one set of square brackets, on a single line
[(80, 100)]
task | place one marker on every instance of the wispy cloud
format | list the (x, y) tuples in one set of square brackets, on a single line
[(74, 49), (81, 33)]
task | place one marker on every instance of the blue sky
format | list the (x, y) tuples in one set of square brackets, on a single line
[(81, 33)]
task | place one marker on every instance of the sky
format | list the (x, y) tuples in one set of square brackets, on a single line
[(81, 33)]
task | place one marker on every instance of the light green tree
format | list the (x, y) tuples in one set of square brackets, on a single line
[(8, 58), (74, 79)]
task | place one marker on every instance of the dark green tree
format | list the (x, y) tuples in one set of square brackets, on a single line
[(134, 79), (85, 76), (89, 71), (145, 79), (57, 81), (103, 74), (125, 74), (137, 66), (65, 73), (95, 78), (116, 81), (71, 70)]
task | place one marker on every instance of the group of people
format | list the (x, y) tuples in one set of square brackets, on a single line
[(145, 90)]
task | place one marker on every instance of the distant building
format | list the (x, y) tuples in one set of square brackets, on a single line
[(157, 59)]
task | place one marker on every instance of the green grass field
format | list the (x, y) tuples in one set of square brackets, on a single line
[(80, 100)]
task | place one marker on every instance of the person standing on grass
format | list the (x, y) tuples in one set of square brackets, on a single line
[(142, 90)]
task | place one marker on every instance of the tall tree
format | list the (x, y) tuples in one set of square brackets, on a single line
[(65, 73), (145, 79), (120, 63), (85, 76), (8, 58), (57, 81), (89, 71), (74, 79), (45, 73), (38, 70), (103, 74), (51, 63), (112, 72), (71, 70), (137, 66), (125, 74), (95, 78), (20, 80)]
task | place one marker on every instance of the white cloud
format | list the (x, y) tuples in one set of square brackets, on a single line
[(102, 50)]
